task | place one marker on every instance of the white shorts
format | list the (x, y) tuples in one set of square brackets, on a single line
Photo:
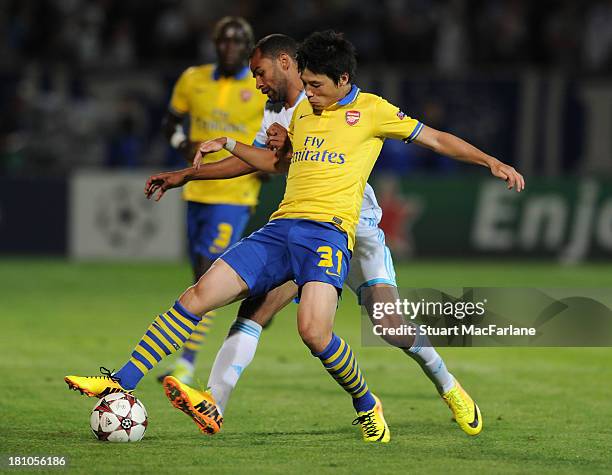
[(371, 262)]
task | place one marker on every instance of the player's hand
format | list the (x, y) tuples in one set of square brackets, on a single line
[(277, 136), (210, 146), (507, 173), (162, 182), (187, 149)]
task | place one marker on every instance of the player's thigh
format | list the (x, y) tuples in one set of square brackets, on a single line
[(371, 263), (372, 278), (262, 308), (262, 259), (380, 302), (319, 253), (374, 297), (219, 286), (316, 311)]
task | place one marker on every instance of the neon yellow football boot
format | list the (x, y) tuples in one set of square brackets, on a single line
[(373, 425), (96, 386), (199, 405), (466, 412)]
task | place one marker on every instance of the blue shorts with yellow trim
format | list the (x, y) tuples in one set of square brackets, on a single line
[(291, 249), (213, 228)]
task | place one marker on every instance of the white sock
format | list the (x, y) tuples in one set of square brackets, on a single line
[(431, 363), (235, 354)]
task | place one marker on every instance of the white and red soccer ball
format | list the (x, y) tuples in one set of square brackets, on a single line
[(119, 417)]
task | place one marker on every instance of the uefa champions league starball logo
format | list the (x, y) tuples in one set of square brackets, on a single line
[(124, 218)]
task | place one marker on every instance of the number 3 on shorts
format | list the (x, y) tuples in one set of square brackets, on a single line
[(223, 238), (326, 254)]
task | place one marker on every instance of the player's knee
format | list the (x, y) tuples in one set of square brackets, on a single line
[(253, 309), (313, 336), (313, 339), (388, 331), (199, 296), (193, 299), (249, 306)]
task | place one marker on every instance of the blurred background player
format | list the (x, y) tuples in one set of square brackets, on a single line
[(215, 98)]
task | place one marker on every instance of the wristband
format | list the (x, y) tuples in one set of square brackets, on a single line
[(230, 145)]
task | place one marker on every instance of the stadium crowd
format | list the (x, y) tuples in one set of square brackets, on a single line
[(448, 34), (67, 106)]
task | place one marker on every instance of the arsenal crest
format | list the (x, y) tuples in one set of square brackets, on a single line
[(245, 95), (352, 117), (401, 115)]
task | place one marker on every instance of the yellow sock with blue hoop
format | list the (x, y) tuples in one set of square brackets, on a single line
[(167, 334), (340, 362)]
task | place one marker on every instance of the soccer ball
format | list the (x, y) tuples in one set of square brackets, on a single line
[(119, 417)]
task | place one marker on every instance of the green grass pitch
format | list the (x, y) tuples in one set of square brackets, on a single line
[(545, 410)]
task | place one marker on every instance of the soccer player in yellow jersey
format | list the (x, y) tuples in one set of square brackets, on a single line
[(371, 274), (334, 140), (218, 99)]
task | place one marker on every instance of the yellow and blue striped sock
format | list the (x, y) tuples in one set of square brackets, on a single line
[(340, 362), (195, 340), (167, 334)]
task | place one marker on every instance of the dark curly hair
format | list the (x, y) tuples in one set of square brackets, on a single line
[(328, 53), (272, 46)]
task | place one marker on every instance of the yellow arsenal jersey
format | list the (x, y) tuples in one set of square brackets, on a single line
[(333, 155), (220, 106)]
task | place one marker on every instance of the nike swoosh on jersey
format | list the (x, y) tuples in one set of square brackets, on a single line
[(303, 115), (332, 273)]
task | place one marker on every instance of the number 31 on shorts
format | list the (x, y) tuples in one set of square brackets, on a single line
[(327, 260)]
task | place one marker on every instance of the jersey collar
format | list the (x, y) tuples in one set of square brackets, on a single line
[(299, 98), (346, 100), (216, 75)]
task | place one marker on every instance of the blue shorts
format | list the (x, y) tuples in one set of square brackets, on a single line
[(212, 229), (291, 249)]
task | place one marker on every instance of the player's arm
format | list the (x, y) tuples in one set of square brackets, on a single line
[(265, 160), (454, 147), (172, 127), (230, 167), (178, 109)]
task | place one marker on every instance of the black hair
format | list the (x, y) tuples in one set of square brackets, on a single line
[(272, 46), (328, 53), (235, 21)]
